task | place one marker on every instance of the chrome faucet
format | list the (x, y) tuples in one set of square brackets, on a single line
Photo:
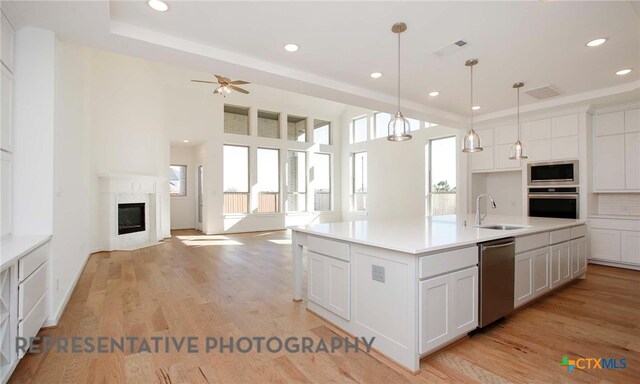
[(493, 205)]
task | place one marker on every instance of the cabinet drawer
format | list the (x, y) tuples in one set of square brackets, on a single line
[(32, 261), (31, 324), (578, 231), (560, 236), (444, 262), (329, 247), (31, 290), (527, 243)]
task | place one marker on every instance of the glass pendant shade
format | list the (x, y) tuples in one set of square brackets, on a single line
[(517, 151), (399, 128), (471, 142)]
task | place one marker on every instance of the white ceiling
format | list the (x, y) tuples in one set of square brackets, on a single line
[(539, 43)]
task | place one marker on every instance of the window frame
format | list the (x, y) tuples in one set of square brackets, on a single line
[(429, 207), (277, 119), (278, 193), (330, 133), (248, 111), (331, 205), (353, 129), (354, 193), (183, 182), (306, 128), (248, 193), (306, 182), (375, 124)]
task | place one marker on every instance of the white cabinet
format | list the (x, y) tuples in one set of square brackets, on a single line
[(8, 321), (482, 161), (609, 162), (630, 247), (502, 160), (564, 126), (329, 283), (605, 244), (538, 150), (448, 308), (617, 151), (536, 130), (531, 275), (632, 160), (560, 264), (565, 148), (578, 256), (6, 110), (6, 193)]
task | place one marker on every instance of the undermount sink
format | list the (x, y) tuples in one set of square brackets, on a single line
[(502, 227)]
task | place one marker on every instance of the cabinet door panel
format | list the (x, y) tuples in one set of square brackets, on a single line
[(523, 278), (536, 130), (632, 160), (505, 135), (630, 252), (6, 110), (564, 126), (6, 193), (502, 160), (338, 297), (605, 244), (609, 123), (632, 120), (609, 162), (541, 280), (7, 43), (435, 309), (465, 300), (538, 150), (560, 264), (482, 161), (317, 279), (565, 148), (578, 256)]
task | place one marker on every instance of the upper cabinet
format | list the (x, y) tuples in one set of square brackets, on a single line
[(7, 39), (617, 151)]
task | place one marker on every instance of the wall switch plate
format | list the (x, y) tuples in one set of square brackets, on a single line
[(377, 273)]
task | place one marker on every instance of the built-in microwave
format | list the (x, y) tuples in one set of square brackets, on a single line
[(553, 173)]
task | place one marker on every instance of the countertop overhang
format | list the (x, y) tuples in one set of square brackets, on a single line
[(431, 234)]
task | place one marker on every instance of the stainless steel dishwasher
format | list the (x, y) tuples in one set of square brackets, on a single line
[(497, 270)]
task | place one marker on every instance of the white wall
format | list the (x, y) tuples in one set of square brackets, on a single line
[(183, 208), (396, 171)]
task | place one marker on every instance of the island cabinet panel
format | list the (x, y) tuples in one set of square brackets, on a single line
[(560, 264), (578, 256), (329, 284), (433, 265), (448, 308), (527, 243), (328, 247), (531, 275)]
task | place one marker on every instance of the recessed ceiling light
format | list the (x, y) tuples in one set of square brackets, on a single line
[(185, 141), (597, 42), (475, 108), (623, 72), (158, 5), (376, 75), (434, 93), (291, 47)]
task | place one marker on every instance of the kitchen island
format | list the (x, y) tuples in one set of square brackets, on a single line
[(413, 284)]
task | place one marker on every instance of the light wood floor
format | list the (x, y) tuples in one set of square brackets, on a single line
[(241, 285)]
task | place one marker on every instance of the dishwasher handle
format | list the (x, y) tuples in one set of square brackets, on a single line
[(498, 245)]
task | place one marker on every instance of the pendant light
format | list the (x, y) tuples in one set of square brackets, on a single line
[(471, 142), (399, 126), (517, 151)]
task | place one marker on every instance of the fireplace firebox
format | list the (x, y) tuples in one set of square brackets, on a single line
[(131, 218)]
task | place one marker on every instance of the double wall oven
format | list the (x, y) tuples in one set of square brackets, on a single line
[(554, 189)]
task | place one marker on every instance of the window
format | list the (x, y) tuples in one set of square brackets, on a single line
[(236, 179), (269, 124), (177, 180), (359, 186), (297, 128), (296, 181), (441, 157), (268, 184), (414, 124), (322, 132), (429, 125), (322, 182), (381, 124), (359, 129), (236, 120)]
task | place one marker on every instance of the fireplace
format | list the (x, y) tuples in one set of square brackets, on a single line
[(131, 218)]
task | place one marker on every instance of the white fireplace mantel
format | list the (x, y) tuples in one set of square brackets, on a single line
[(122, 188)]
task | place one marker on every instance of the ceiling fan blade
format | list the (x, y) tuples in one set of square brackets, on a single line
[(239, 82), (226, 79), (204, 81), (238, 89), (220, 78)]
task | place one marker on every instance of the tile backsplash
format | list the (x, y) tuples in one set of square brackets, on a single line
[(627, 204)]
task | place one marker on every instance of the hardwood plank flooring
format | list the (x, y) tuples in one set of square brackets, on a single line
[(240, 285)]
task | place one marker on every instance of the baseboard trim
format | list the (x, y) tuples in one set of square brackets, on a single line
[(52, 322), (614, 264)]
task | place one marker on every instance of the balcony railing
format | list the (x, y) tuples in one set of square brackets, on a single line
[(236, 202), (268, 202), (442, 204)]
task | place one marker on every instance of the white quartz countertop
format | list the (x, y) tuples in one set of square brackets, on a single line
[(423, 235), (14, 247)]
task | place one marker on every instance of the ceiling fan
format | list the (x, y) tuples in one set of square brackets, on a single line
[(225, 85)]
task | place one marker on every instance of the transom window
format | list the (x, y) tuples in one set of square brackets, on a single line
[(359, 129)]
